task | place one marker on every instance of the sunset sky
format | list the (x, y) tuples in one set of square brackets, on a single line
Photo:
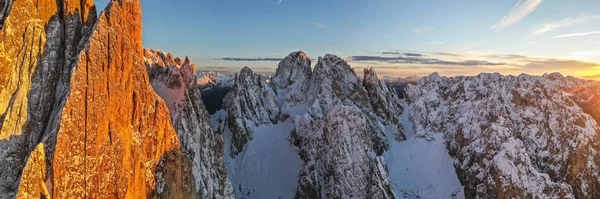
[(399, 38)]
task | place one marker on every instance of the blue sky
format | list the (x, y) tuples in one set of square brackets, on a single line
[(532, 36)]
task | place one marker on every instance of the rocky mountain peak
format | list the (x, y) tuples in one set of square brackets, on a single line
[(245, 74), (199, 142), (384, 102), (292, 76), (80, 119), (250, 103)]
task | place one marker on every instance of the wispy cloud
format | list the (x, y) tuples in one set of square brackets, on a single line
[(279, 2), (319, 25), (424, 60), (577, 34), (248, 59), (405, 54), (518, 12), (564, 23), (421, 29)]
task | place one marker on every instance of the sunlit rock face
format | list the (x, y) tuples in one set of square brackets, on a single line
[(33, 47), (79, 117), (250, 103), (175, 81), (512, 137)]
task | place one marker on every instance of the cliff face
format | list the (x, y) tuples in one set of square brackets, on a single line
[(339, 157), (334, 82), (175, 81), (249, 104), (79, 117), (32, 55), (113, 128)]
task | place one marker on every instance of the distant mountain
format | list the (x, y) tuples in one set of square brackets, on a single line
[(214, 86), (487, 136)]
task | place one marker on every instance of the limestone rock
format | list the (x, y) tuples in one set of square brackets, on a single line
[(175, 81), (511, 137), (334, 82), (32, 46), (384, 102), (292, 76), (250, 103), (339, 157), (99, 128)]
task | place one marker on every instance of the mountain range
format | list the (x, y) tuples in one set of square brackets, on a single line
[(86, 111)]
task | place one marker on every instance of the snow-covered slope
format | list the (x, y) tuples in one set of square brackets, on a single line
[(269, 164), (421, 168), (511, 136)]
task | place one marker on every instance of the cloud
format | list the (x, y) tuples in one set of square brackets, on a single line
[(577, 34), (279, 2), (549, 65), (319, 25), (405, 54), (518, 12), (248, 59), (421, 29), (564, 23), (449, 54), (424, 60)]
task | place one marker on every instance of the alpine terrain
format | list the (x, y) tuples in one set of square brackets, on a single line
[(87, 112)]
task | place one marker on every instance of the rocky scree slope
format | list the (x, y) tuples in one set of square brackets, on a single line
[(513, 137), (175, 81), (79, 116)]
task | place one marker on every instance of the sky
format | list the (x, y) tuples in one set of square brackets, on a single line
[(397, 37)]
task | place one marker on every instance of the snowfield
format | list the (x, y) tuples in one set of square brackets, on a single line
[(268, 166), (419, 168)]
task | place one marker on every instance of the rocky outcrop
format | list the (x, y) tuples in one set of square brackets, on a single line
[(79, 117), (334, 82), (250, 103), (292, 77), (32, 46), (512, 137), (339, 157), (175, 81), (385, 103)]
